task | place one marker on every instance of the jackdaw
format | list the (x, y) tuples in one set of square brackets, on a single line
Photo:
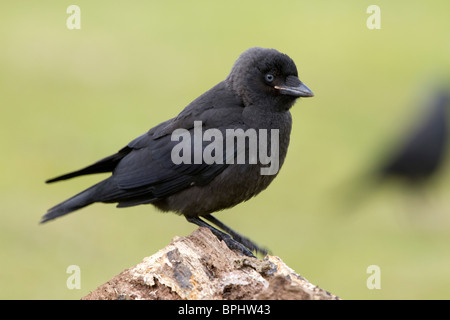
[(414, 160), (257, 94), (423, 151)]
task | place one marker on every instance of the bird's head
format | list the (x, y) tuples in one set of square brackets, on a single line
[(267, 77)]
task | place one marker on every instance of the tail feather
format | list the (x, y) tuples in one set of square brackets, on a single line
[(74, 203)]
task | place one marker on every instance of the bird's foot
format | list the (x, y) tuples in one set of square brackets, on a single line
[(232, 243), (232, 239), (236, 236)]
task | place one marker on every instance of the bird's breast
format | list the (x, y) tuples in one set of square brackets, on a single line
[(240, 181)]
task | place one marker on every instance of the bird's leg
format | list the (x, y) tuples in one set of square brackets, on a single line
[(236, 236), (230, 242)]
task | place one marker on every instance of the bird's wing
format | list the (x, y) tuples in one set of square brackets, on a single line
[(150, 165), (104, 165)]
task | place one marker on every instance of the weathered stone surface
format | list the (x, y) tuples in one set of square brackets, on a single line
[(200, 267)]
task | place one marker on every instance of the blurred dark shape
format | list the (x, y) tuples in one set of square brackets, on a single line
[(421, 154), (413, 161)]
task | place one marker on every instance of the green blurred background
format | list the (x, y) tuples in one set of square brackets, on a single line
[(71, 97)]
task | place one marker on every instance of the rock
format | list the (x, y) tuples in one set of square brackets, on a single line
[(200, 267)]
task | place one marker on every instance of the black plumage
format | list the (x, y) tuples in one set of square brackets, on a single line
[(258, 93), (423, 150)]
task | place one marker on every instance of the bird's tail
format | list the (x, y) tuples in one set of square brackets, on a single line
[(74, 203)]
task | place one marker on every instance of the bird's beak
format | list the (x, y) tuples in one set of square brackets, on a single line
[(294, 87)]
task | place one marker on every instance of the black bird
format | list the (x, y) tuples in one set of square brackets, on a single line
[(257, 94), (413, 160), (422, 152)]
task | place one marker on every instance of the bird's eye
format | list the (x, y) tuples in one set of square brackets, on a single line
[(269, 77)]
